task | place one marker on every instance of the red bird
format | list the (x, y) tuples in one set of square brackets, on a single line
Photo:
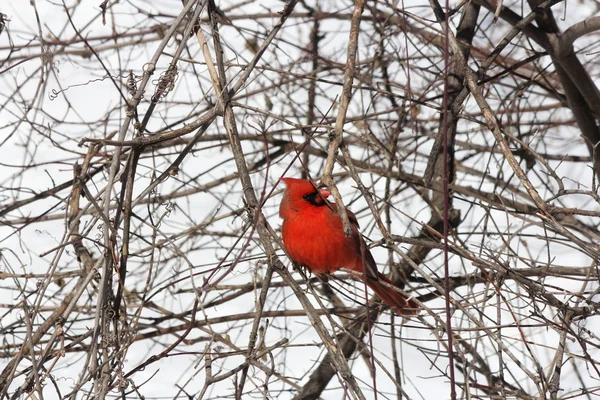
[(313, 236)]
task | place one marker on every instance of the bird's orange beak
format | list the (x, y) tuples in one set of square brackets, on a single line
[(324, 191)]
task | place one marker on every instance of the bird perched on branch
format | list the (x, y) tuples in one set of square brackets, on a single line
[(313, 236)]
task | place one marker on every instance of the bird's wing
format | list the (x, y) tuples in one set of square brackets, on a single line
[(351, 216), (369, 266)]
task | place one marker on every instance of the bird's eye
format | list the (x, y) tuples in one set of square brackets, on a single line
[(310, 196)]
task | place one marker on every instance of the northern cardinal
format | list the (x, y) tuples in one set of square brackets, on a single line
[(313, 236)]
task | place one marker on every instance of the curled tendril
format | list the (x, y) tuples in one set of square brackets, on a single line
[(132, 83), (149, 68), (166, 83), (3, 20), (55, 92)]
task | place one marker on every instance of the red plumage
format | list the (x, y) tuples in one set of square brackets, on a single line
[(313, 236)]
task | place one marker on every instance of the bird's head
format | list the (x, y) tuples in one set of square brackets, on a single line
[(302, 193)]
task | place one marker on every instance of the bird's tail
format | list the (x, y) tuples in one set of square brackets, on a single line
[(393, 298)]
